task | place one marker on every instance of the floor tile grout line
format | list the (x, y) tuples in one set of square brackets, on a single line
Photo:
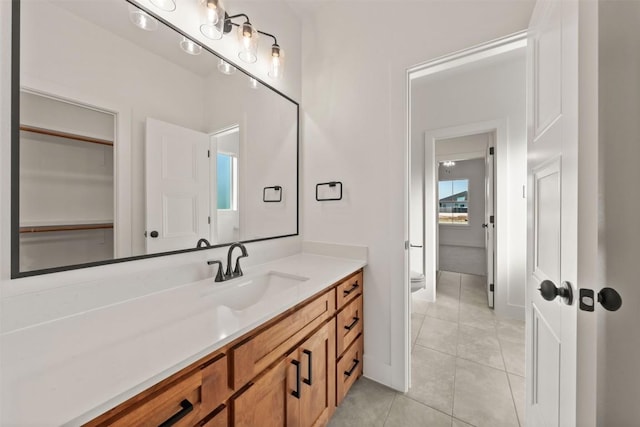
[(455, 362), (395, 396), (424, 404), (513, 398)]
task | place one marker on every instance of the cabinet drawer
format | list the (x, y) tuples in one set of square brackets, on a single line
[(349, 368), (186, 400), (349, 325), (349, 289), (258, 352)]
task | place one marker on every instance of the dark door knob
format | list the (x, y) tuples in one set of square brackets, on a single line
[(550, 291), (154, 234), (610, 299), (485, 225)]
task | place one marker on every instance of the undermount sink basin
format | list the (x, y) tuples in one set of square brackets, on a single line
[(253, 290)]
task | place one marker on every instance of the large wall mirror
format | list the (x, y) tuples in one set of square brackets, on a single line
[(130, 141)]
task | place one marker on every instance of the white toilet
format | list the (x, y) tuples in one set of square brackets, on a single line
[(417, 281)]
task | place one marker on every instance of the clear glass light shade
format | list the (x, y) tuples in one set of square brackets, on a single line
[(168, 5), (248, 38), (213, 20), (225, 68), (214, 12), (189, 46), (142, 19), (253, 83), (276, 66)]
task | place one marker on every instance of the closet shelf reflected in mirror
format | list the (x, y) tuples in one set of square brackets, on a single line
[(65, 135), (66, 227)]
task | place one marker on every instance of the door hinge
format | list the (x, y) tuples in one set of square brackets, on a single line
[(208, 153), (491, 287), (406, 245), (491, 219), (491, 151), (208, 220)]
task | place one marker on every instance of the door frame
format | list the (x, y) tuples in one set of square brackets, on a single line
[(431, 233), (443, 63)]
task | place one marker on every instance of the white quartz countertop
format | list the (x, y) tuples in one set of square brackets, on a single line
[(68, 371)]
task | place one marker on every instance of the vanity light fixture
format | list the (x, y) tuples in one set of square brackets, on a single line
[(277, 62), (225, 68), (142, 19), (166, 5), (448, 163), (214, 19), (248, 40), (215, 12)]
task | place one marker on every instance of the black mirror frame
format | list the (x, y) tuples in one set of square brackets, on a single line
[(15, 158)]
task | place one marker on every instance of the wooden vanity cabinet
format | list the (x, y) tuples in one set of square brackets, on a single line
[(183, 399), (292, 371), (298, 391), (349, 334)]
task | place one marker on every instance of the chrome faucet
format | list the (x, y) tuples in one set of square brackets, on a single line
[(237, 271), (222, 276)]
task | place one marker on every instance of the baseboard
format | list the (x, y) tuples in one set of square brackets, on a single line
[(378, 372)]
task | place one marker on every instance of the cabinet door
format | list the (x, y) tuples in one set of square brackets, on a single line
[(317, 359), (270, 400)]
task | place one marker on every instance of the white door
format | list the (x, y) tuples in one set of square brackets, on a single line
[(489, 221), (552, 250), (177, 187)]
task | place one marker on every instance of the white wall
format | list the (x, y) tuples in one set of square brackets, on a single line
[(355, 114), (462, 247), (618, 340), (268, 151), (41, 298)]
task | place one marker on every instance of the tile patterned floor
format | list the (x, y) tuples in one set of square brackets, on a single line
[(467, 367)]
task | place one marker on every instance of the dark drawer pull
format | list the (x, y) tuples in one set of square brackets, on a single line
[(309, 380), (356, 362), (353, 324), (186, 408), (353, 288), (296, 393)]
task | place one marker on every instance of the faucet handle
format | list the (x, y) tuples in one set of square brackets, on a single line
[(237, 271), (219, 276)]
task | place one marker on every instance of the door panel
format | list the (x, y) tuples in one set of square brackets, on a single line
[(547, 55), (177, 186), (546, 371), (552, 249)]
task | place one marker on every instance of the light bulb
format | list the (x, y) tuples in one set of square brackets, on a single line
[(142, 19), (277, 59), (213, 20), (248, 43), (212, 11), (190, 46), (167, 5), (225, 68)]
